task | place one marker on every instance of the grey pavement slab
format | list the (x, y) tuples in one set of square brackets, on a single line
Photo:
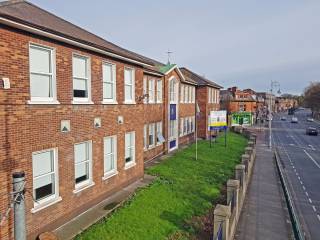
[(264, 214), (99, 211)]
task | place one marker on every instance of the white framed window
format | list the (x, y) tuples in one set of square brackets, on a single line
[(145, 138), (151, 91), (45, 177), (182, 93), (185, 126), (186, 91), (129, 149), (81, 79), (193, 94), (110, 156), (193, 123), (218, 96), (172, 91), (109, 82), (159, 135), (151, 135), (209, 95), (181, 126), (83, 164), (42, 74), (172, 129), (214, 96), (190, 95), (129, 82), (145, 90), (159, 91)]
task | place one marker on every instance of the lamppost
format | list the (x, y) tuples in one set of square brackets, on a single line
[(274, 85)]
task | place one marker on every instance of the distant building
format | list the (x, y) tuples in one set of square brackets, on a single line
[(285, 103), (237, 101)]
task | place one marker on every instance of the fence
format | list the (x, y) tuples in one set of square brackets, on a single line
[(297, 229), (226, 216)]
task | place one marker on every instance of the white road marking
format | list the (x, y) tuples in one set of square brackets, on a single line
[(307, 194), (301, 182), (304, 188), (310, 200), (314, 208), (299, 178), (312, 147), (318, 217), (314, 161)]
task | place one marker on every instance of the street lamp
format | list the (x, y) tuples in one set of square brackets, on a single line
[(274, 85)]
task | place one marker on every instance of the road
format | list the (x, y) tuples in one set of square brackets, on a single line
[(300, 156)]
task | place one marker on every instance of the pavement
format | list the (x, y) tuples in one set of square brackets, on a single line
[(101, 210), (264, 214), (300, 157)]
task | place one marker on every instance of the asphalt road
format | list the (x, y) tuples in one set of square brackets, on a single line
[(300, 156)]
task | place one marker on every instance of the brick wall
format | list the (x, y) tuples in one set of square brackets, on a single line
[(205, 108), (27, 128)]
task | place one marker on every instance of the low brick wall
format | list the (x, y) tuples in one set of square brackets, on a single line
[(226, 216)]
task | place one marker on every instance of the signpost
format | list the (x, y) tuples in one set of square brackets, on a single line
[(218, 121)]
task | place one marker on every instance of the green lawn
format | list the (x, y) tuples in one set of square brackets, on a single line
[(184, 188)]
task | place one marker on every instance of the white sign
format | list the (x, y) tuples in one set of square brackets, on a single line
[(218, 119)]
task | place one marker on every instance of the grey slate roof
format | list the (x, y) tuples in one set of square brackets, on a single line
[(31, 15), (199, 80)]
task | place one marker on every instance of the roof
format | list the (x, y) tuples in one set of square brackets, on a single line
[(26, 13), (199, 80)]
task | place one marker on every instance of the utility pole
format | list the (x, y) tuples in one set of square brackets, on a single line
[(19, 205), (274, 84)]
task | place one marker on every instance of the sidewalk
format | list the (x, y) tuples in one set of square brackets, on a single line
[(264, 215)]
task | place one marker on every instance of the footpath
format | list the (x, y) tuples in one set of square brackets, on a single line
[(264, 214)]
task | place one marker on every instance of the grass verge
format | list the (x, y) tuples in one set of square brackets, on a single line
[(185, 188)]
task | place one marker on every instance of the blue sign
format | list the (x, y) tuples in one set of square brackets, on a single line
[(173, 111), (218, 128), (172, 144)]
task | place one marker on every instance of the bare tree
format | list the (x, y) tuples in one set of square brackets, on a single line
[(312, 97)]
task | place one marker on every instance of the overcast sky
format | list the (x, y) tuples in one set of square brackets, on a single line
[(245, 43)]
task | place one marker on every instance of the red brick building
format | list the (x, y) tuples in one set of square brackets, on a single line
[(208, 99), (235, 100), (81, 115)]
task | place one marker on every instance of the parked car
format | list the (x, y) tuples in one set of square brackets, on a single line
[(294, 120), (283, 118), (310, 120), (312, 131)]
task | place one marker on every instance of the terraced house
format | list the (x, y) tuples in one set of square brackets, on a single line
[(80, 115)]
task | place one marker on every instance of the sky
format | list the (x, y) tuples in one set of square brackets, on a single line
[(246, 43)]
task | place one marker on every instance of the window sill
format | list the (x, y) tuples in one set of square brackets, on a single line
[(45, 205), (110, 103), (35, 102), (129, 103), (82, 103), (129, 165), (151, 147), (79, 189), (109, 175)]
